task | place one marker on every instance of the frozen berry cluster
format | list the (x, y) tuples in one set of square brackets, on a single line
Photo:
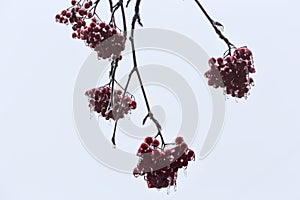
[(99, 102), (232, 73), (99, 36), (160, 167)]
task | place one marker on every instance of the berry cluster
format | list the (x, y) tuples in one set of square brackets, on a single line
[(99, 36), (232, 73), (100, 102), (160, 167)]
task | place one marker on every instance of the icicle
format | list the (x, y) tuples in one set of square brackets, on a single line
[(91, 113), (185, 171), (236, 100), (169, 186), (168, 190), (175, 187)]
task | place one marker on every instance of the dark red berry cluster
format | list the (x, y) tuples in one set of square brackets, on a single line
[(99, 36), (160, 167), (77, 13), (232, 73), (100, 98)]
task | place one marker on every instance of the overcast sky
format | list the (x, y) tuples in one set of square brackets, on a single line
[(41, 156)]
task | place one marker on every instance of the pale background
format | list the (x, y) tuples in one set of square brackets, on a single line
[(258, 156)]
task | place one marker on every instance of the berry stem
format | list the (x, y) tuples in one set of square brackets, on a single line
[(123, 88), (163, 144), (128, 1), (121, 107), (95, 6), (215, 26), (113, 10), (114, 65)]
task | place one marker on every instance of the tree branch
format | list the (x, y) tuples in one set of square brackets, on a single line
[(136, 18), (215, 25)]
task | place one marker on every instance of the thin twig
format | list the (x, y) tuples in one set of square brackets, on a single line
[(123, 88), (136, 18), (121, 107), (114, 65), (215, 26), (128, 1), (113, 10), (111, 5), (95, 7), (124, 21)]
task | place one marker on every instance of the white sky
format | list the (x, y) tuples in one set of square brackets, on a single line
[(41, 156)]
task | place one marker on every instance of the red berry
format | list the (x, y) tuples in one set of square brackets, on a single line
[(87, 5), (144, 146), (251, 70), (149, 140), (210, 82), (179, 140), (184, 146), (136, 172), (107, 27), (220, 61), (57, 17), (240, 94), (212, 61), (90, 15), (133, 104), (64, 12), (250, 80), (191, 153), (207, 74), (74, 35), (81, 12), (68, 14), (73, 2), (118, 92), (248, 52), (155, 143), (93, 24), (140, 150), (102, 24)]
